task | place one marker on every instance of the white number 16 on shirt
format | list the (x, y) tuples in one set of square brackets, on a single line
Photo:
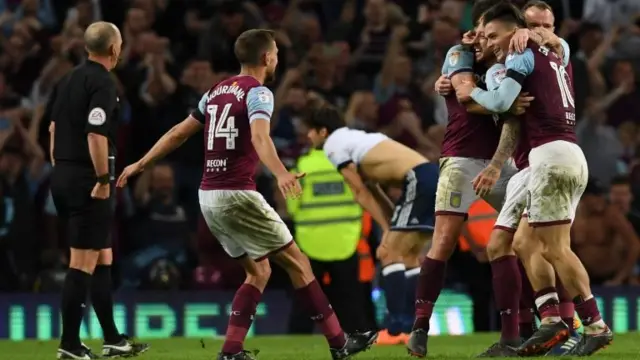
[(221, 127)]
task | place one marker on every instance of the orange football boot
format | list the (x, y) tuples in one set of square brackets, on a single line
[(385, 338)]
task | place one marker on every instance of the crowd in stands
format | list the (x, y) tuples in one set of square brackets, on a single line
[(376, 60)]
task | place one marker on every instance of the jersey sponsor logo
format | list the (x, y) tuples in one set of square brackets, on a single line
[(455, 200), (216, 165), (453, 58), (97, 116)]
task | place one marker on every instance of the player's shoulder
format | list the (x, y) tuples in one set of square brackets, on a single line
[(458, 48), (459, 56), (542, 50)]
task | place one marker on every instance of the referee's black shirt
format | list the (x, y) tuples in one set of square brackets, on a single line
[(83, 102)]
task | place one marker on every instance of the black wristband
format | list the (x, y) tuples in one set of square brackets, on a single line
[(103, 179)]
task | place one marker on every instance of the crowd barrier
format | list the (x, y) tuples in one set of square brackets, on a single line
[(203, 314)]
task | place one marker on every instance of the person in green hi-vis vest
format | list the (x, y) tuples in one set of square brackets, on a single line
[(327, 223)]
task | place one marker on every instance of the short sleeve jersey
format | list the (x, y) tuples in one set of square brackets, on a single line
[(227, 111), (467, 135), (543, 74), (83, 102)]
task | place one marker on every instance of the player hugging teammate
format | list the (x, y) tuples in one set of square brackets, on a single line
[(547, 128)]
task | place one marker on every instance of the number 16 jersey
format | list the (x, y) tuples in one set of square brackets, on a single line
[(227, 111), (543, 75)]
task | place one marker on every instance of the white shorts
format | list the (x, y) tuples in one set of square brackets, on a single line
[(559, 176), (455, 192), (244, 223), (515, 202)]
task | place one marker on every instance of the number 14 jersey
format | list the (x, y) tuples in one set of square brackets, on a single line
[(227, 111)]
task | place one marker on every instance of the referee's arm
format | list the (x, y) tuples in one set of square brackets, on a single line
[(102, 104)]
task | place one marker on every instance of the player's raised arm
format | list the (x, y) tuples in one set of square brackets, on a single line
[(500, 100), (170, 141), (175, 137)]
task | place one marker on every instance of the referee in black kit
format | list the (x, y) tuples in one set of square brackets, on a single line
[(83, 112)]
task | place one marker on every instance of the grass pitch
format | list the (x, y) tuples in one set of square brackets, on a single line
[(305, 348)]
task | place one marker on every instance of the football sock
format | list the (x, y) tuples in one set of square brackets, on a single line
[(74, 294), (526, 314), (317, 305), (587, 310), (394, 285), (411, 282), (507, 286), (567, 309), (243, 309), (430, 284), (102, 301), (548, 305)]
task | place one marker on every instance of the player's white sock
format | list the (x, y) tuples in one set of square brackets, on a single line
[(595, 328), (541, 301)]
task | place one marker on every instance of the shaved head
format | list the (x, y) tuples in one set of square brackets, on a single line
[(100, 37)]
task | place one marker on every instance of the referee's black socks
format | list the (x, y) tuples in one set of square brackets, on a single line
[(74, 294), (102, 301)]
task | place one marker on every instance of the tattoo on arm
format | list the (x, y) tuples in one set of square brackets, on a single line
[(508, 142)]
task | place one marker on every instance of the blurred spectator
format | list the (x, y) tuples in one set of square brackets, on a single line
[(626, 108), (608, 13), (160, 230), (621, 197), (604, 239)]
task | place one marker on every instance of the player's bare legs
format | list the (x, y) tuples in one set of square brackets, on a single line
[(553, 330), (412, 262), (432, 277), (243, 307), (398, 254), (309, 293), (557, 250)]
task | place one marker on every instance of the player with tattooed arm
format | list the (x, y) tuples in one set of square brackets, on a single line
[(557, 178), (470, 140)]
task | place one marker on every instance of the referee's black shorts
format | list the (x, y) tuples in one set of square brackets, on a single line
[(88, 220)]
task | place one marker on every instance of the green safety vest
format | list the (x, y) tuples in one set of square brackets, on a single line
[(328, 221)]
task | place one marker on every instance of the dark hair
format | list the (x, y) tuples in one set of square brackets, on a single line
[(594, 187), (252, 44), (620, 180), (480, 7), (323, 116), (538, 4), (505, 12)]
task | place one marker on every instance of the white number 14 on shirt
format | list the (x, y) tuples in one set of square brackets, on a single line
[(222, 127)]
